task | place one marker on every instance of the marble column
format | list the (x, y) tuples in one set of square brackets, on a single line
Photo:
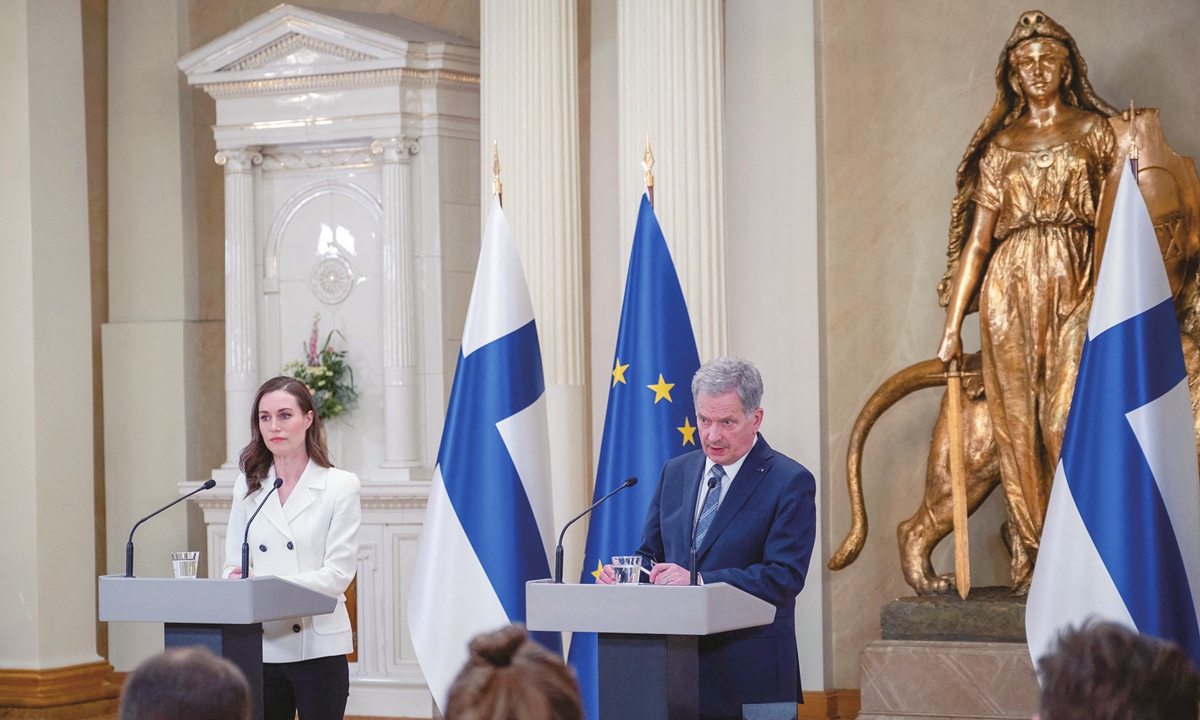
[(671, 85), (530, 108), (241, 333), (400, 426), (48, 653)]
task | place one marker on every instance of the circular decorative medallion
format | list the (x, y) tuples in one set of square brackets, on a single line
[(1044, 159), (332, 279)]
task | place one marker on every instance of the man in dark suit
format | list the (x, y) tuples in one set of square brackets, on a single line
[(752, 514)]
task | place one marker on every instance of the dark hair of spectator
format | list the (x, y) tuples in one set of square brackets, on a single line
[(510, 677), (1104, 671), (186, 684)]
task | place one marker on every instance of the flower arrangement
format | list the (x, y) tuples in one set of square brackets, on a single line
[(326, 373)]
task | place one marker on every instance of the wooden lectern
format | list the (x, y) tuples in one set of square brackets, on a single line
[(648, 638), (225, 616)]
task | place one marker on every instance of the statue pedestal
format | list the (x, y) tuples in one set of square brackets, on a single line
[(942, 657)]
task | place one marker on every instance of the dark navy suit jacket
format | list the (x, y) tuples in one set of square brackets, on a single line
[(759, 542)]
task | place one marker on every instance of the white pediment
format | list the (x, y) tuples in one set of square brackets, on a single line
[(295, 42)]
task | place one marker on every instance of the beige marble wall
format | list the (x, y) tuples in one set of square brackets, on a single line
[(903, 87)]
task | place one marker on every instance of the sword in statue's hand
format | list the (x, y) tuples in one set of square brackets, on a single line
[(958, 480)]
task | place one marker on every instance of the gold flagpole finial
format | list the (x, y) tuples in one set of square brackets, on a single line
[(497, 187), (1133, 148), (647, 164)]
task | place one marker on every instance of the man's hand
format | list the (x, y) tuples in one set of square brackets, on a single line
[(670, 574), (607, 576)]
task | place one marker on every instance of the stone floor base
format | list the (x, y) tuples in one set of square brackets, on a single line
[(933, 680)]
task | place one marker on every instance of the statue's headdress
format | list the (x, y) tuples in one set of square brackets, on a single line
[(1010, 103)]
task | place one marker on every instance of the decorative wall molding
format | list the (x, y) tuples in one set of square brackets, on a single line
[(278, 159), (57, 687), (366, 78), (288, 45)]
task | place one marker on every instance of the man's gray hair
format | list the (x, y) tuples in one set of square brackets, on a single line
[(720, 375)]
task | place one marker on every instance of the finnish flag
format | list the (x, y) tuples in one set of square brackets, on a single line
[(1121, 541), (488, 525)]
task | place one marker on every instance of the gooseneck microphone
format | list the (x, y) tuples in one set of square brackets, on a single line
[(712, 483), (246, 537), (558, 551), (210, 483)]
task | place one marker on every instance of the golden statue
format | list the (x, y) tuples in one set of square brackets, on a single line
[(1035, 187)]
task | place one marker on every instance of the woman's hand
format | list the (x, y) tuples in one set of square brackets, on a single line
[(236, 574), (951, 346)]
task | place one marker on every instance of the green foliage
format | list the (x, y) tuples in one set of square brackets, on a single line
[(327, 374)]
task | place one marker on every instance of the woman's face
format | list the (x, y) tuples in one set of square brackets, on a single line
[(281, 423), (1039, 65)]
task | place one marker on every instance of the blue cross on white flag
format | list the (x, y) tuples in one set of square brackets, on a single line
[(488, 525), (1121, 541)]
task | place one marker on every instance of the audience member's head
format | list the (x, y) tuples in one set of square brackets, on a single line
[(510, 677), (1104, 671), (186, 684)]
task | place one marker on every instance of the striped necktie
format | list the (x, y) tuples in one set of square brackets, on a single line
[(711, 500)]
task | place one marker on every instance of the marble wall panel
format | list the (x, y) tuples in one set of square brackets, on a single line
[(903, 87), (944, 679)]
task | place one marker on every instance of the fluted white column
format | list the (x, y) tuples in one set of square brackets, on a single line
[(530, 107), (399, 318), (241, 332), (671, 85)]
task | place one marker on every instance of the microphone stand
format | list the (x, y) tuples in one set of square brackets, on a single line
[(246, 537), (558, 551), (210, 483)]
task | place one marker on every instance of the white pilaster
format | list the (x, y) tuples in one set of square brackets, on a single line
[(530, 107), (400, 421), (47, 522), (671, 85), (241, 332)]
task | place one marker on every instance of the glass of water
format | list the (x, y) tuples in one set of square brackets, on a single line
[(627, 568), (185, 563)]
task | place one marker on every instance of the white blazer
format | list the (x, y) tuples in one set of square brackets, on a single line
[(312, 540)]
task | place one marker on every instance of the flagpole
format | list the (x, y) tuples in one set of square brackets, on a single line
[(647, 163), (497, 187)]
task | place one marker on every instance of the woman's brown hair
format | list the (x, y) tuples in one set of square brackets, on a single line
[(256, 458), (510, 677)]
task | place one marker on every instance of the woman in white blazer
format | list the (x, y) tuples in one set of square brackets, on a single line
[(308, 533)]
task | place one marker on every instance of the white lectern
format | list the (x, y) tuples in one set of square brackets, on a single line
[(648, 637), (225, 616)]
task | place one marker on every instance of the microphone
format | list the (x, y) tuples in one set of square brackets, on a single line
[(210, 483), (558, 551), (246, 537), (712, 483)]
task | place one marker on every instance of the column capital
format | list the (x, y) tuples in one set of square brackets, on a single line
[(395, 149), (237, 160)]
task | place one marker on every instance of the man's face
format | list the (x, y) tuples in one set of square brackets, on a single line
[(726, 434)]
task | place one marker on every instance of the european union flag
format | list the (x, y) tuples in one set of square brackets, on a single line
[(650, 417)]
